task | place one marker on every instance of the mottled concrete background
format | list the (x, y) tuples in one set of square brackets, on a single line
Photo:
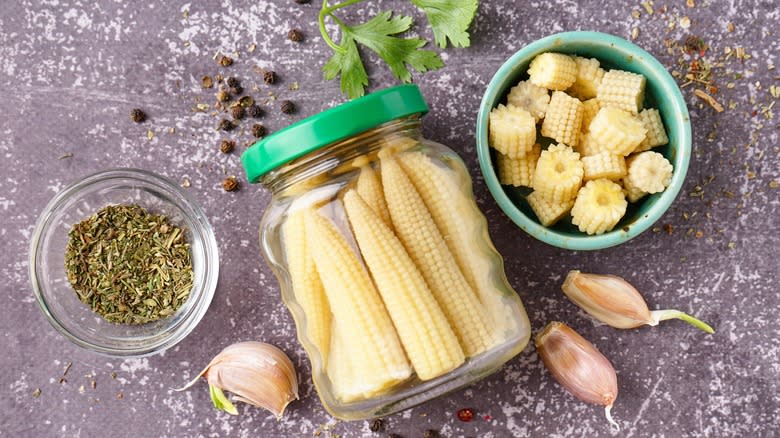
[(72, 70)]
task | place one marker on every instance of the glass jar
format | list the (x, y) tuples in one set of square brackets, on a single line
[(383, 257)]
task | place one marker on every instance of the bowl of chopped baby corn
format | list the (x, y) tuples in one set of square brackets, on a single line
[(584, 139)]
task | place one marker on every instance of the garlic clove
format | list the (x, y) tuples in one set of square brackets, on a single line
[(615, 302), (256, 373), (607, 298), (578, 366)]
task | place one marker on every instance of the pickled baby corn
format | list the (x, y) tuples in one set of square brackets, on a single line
[(306, 284), (589, 75), (369, 186), (656, 134), (518, 171), (622, 89), (649, 171), (604, 165), (599, 206), (590, 108), (340, 369), (427, 248), (356, 303), (427, 337), (589, 146), (558, 173), (532, 98), (548, 212), (554, 71), (617, 130), (564, 119), (512, 130)]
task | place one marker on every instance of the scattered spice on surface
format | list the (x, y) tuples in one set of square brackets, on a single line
[(237, 112), (226, 125), (774, 184), (65, 373), (137, 115), (230, 184), (295, 35), (232, 82), (269, 77), (287, 107), (669, 229), (466, 414), (120, 395), (206, 82), (701, 94), (225, 61), (301, 2), (36, 393), (223, 96), (430, 433), (258, 130), (294, 86), (128, 265), (394, 435), (185, 182), (65, 155), (377, 425), (254, 111), (236, 90), (113, 374), (227, 146), (246, 101)]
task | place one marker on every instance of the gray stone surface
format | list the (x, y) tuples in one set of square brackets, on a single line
[(72, 70)]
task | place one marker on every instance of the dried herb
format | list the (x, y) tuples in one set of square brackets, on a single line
[(227, 146), (225, 61), (232, 82), (230, 184), (430, 433), (254, 111), (226, 125), (246, 101), (206, 82), (301, 2), (258, 130), (130, 266), (295, 35), (287, 107), (223, 96), (237, 112), (269, 77), (137, 115), (377, 425)]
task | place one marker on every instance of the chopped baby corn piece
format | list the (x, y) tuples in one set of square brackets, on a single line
[(604, 165), (558, 173), (426, 246), (564, 119), (356, 304), (554, 71), (427, 337), (307, 286), (633, 193), (530, 97), (340, 369), (589, 74), (589, 146), (618, 131), (649, 171), (599, 206), (590, 108), (518, 171), (622, 89), (656, 134), (369, 186), (512, 130), (548, 212)]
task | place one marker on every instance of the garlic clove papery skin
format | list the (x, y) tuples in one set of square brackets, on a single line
[(578, 366), (609, 299), (256, 373)]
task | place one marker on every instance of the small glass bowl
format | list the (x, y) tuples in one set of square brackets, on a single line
[(59, 301)]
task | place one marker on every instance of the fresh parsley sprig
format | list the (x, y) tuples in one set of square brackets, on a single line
[(449, 19)]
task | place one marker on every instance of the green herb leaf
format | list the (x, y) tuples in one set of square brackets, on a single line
[(377, 35), (449, 19), (347, 63)]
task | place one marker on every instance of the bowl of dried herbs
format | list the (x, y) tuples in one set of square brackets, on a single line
[(123, 262)]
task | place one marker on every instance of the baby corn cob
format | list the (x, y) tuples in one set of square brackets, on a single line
[(369, 186), (604, 165), (599, 206), (558, 173), (529, 97), (306, 284), (426, 246), (649, 171), (547, 211), (427, 337), (512, 130), (590, 108), (563, 121), (617, 130), (356, 304), (518, 171), (656, 134), (622, 89), (632, 192), (589, 74), (554, 71), (589, 146), (340, 369)]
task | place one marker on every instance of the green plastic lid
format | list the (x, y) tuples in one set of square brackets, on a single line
[(330, 126)]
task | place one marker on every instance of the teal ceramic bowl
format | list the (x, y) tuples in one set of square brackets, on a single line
[(662, 92)]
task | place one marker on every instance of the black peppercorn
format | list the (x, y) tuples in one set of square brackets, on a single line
[(237, 112), (230, 184), (223, 96), (137, 115), (287, 107), (226, 125), (430, 433), (227, 146), (377, 425), (258, 130), (225, 61), (269, 77), (232, 82), (254, 111), (295, 35), (301, 2)]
